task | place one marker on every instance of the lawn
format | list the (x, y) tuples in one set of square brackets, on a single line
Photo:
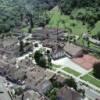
[(56, 66), (96, 28), (25, 29), (67, 69), (91, 79)]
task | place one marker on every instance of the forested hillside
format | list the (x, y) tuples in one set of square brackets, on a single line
[(17, 13), (84, 10), (26, 14)]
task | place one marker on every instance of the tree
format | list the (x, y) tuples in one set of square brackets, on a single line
[(21, 49), (71, 83), (13, 13), (68, 5), (37, 56), (96, 70), (98, 35), (42, 60)]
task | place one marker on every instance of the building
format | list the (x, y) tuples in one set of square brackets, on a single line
[(38, 78), (31, 95), (25, 63), (65, 93), (59, 79), (44, 86), (47, 33), (73, 50), (9, 46)]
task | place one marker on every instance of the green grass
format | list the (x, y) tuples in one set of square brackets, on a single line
[(56, 17), (66, 69), (25, 29), (56, 66), (96, 28), (91, 79)]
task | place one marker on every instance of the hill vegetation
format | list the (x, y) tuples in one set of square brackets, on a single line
[(23, 13), (78, 16), (86, 11)]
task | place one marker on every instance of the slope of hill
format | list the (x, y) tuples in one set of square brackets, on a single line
[(65, 22)]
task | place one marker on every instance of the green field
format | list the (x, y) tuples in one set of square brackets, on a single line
[(89, 78), (68, 70)]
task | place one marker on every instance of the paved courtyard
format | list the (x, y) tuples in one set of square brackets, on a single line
[(66, 62)]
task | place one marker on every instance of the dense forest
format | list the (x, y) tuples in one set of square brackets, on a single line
[(21, 13), (90, 9), (14, 13)]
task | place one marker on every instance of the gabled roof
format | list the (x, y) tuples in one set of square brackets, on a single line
[(66, 93)]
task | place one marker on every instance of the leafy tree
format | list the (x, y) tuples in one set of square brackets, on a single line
[(37, 56), (71, 83), (21, 49), (42, 60), (68, 5), (96, 70), (13, 13)]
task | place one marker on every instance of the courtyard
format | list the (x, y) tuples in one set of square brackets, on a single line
[(66, 62)]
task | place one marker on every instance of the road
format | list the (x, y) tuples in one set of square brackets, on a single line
[(89, 93)]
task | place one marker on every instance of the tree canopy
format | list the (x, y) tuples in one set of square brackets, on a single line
[(16, 13), (96, 70)]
